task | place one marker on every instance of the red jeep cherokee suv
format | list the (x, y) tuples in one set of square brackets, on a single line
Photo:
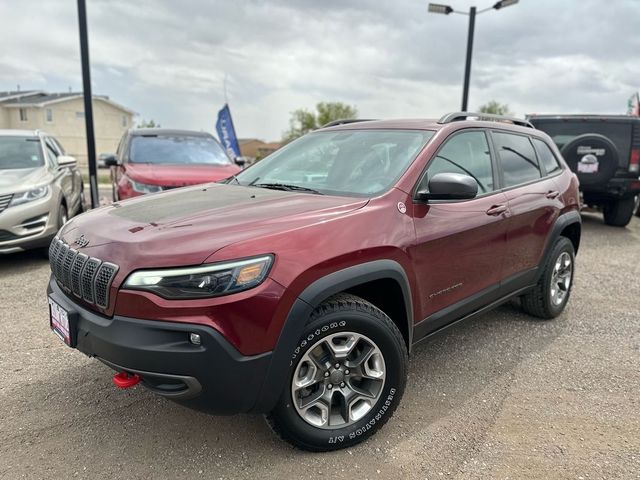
[(298, 287)]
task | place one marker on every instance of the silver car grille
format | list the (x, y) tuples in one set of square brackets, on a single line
[(5, 200), (85, 277)]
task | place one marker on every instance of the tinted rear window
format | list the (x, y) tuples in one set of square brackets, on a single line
[(177, 150), (517, 159), (562, 132)]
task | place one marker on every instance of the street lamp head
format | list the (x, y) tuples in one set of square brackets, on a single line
[(438, 8), (504, 3)]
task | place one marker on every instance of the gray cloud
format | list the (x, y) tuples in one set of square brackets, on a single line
[(167, 60)]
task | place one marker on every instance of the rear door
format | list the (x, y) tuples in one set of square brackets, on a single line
[(460, 245), (534, 204)]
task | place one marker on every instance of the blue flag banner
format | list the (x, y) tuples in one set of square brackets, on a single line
[(226, 132)]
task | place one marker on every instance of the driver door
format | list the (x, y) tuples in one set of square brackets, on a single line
[(458, 256)]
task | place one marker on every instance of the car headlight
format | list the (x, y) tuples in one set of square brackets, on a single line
[(29, 195), (203, 281), (144, 188)]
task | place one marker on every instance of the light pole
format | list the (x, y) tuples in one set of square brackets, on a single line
[(446, 10), (88, 106)]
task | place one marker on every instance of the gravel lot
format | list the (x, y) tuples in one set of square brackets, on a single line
[(502, 396)]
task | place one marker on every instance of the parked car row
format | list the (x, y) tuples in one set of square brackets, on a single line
[(40, 188)]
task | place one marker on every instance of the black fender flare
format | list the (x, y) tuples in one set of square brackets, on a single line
[(312, 296), (571, 217)]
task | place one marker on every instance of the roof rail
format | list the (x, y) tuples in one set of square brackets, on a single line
[(459, 116), (345, 121)]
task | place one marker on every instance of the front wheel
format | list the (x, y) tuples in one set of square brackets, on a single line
[(346, 377)]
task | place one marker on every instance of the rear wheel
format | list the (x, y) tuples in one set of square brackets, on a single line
[(551, 294), (618, 213), (346, 377)]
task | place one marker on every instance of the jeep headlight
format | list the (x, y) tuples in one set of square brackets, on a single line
[(203, 281), (29, 195)]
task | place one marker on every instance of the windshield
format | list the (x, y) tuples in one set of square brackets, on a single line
[(177, 150), (20, 152), (346, 162)]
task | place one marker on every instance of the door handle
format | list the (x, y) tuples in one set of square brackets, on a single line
[(497, 210), (552, 194)]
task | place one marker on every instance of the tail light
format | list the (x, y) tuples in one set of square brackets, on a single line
[(634, 161)]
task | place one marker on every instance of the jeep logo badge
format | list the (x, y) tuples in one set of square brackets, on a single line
[(81, 241)]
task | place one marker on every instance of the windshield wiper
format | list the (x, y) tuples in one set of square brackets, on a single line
[(286, 187)]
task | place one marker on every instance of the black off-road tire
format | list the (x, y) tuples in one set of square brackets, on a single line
[(344, 313), (537, 302), (618, 213)]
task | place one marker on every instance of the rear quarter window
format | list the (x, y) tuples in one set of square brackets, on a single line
[(546, 156)]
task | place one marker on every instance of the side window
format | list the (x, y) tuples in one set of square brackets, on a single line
[(51, 153), (546, 156), (517, 158), (467, 153)]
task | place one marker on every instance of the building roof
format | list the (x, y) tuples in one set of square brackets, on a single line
[(39, 99)]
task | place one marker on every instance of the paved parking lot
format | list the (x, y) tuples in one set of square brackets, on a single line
[(502, 396)]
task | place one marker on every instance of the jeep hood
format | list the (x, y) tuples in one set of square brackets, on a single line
[(187, 225)]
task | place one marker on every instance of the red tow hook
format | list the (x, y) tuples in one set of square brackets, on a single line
[(125, 380)]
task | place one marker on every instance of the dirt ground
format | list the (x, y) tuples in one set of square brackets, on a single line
[(501, 396)]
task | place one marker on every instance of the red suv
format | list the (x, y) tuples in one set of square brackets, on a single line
[(151, 160), (298, 287)]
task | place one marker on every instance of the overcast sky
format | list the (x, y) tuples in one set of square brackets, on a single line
[(167, 60)]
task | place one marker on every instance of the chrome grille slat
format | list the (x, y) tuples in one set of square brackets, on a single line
[(103, 282), (76, 273), (86, 277), (5, 200)]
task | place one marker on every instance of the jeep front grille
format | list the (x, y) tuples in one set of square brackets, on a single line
[(85, 277)]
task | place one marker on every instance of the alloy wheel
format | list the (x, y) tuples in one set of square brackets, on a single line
[(561, 278), (338, 380)]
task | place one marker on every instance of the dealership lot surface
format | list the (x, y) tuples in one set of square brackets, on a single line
[(501, 396)]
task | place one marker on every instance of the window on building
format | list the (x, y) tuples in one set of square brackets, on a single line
[(23, 115), (79, 114), (49, 115)]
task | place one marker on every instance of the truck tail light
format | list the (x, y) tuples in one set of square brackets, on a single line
[(634, 161)]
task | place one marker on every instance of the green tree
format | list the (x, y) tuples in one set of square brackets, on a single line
[(303, 121), (495, 108), (148, 124)]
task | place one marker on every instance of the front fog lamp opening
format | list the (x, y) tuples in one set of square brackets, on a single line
[(203, 281), (195, 338)]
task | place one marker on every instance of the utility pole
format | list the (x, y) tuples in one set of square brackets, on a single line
[(467, 65)]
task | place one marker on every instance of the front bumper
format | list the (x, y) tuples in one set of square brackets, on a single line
[(28, 226), (212, 376)]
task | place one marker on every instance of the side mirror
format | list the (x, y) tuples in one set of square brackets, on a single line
[(66, 161), (110, 160), (449, 186), (240, 161)]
